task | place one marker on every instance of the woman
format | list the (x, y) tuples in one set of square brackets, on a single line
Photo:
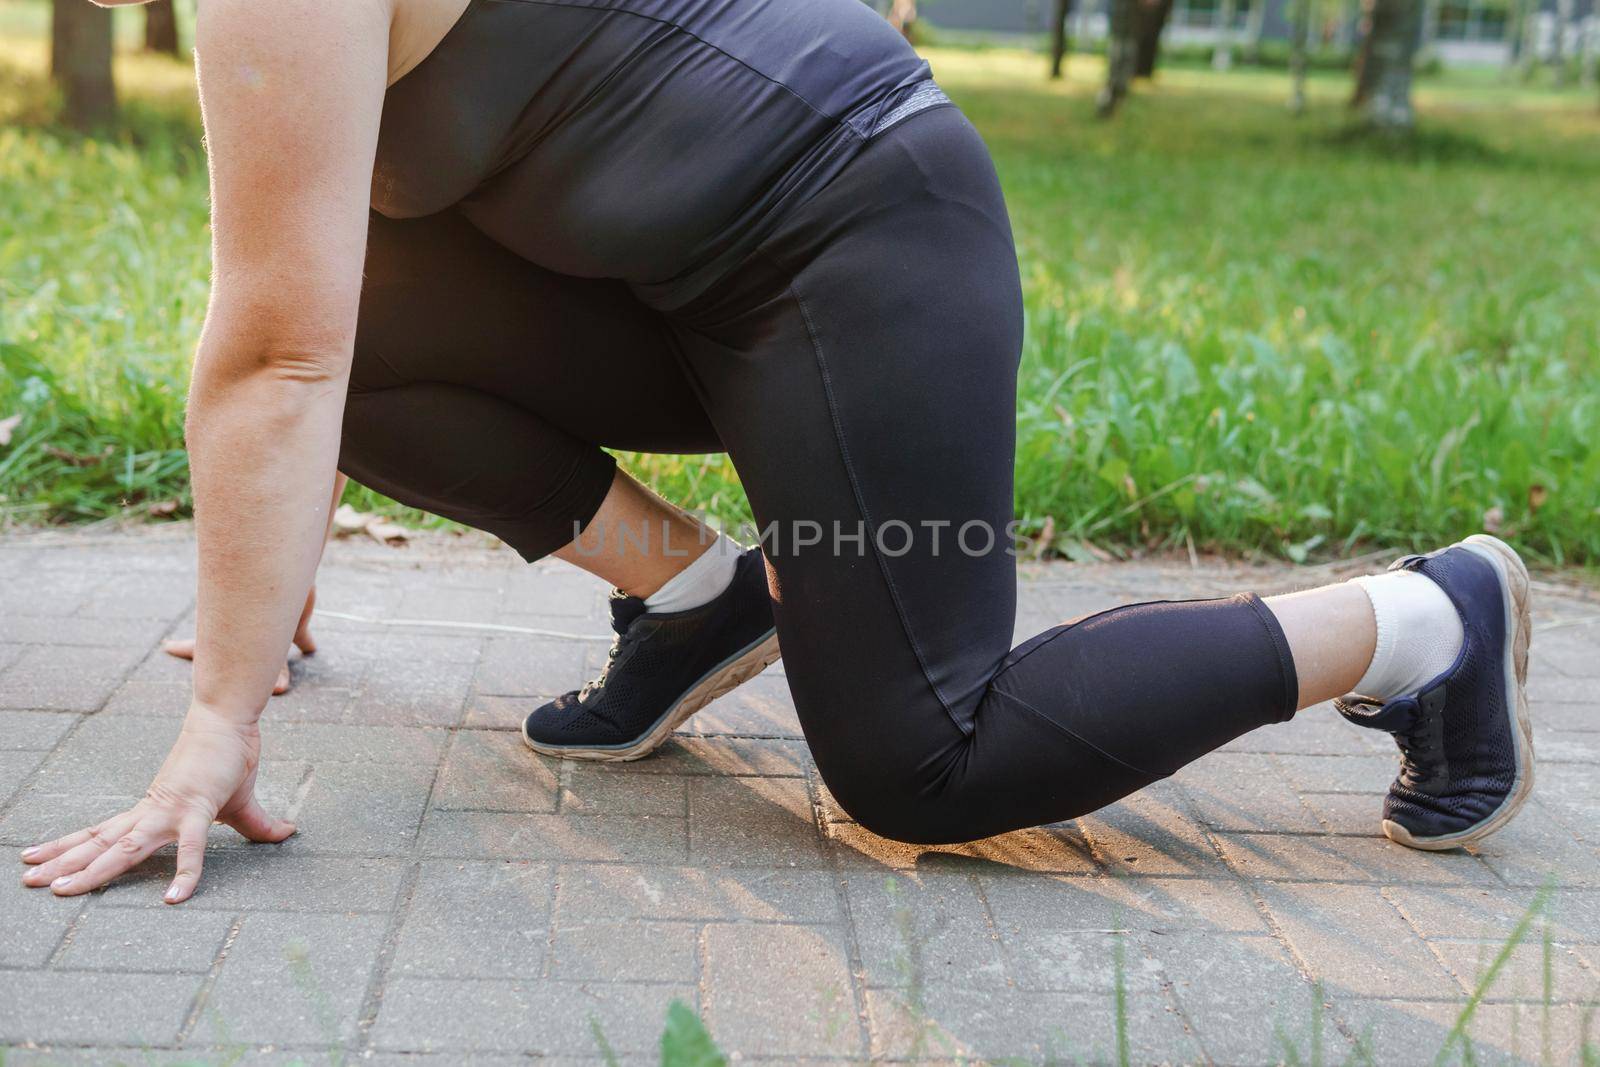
[(680, 225)]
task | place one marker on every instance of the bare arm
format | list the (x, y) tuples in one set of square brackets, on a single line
[(292, 93)]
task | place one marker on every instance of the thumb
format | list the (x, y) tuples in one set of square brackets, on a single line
[(253, 822)]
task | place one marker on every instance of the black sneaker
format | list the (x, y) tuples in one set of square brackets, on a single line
[(1466, 746), (661, 669)]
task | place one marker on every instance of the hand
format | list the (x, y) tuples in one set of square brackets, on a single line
[(209, 776), (183, 647)]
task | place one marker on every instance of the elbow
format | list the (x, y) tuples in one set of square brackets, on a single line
[(257, 349)]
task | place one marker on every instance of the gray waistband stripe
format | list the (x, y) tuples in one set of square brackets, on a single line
[(924, 96)]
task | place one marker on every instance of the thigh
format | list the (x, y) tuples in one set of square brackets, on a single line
[(863, 370), (443, 303)]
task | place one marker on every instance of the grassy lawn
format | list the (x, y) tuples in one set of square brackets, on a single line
[(1246, 332)]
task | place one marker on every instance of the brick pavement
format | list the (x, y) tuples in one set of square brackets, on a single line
[(453, 898)]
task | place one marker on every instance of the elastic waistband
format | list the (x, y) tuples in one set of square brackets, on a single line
[(923, 95)]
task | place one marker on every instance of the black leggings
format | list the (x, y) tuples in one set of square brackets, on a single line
[(860, 369)]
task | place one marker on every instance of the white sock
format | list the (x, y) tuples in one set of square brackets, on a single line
[(1419, 634), (700, 582)]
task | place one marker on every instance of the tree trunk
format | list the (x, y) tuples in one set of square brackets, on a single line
[(1059, 42), (1558, 48), (1121, 49), (1222, 54), (1383, 66), (1150, 19), (80, 60), (903, 17), (161, 27), (1255, 23), (1300, 32)]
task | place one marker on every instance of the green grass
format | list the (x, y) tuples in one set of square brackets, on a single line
[(1246, 332)]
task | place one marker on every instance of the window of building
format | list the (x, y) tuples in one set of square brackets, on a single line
[(1207, 14), (1473, 20)]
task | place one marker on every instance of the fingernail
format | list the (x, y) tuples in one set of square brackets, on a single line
[(62, 882), (172, 895), (29, 853)]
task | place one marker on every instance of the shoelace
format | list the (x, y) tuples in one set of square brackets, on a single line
[(612, 655)]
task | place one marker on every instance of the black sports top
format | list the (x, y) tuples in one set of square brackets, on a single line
[(656, 141)]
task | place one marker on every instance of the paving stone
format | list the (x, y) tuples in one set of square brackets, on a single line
[(448, 603), (1566, 746), (1352, 941), (14, 770), (1390, 1033), (37, 817), (33, 920), (65, 677), (722, 756), (1348, 859), (618, 789), (33, 731), (760, 707), (929, 927), (547, 589), (267, 878), (1317, 731), (753, 821), (1546, 688), (95, 633), (1535, 849), (108, 754), (1522, 975), (1152, 832), (625, 950), (619, 891), (527, 666), (1242, 791), (363, 807), (135, 939), (293, 979), (1060, 849), (501, 835), (484, 712), (1247, 1000), (1491, 913), (780, 990), (488, 770), (87, 1007), (1156, 905), (146, 699), (953, 1024), (1341, 774), (523, 1015), (418, 692), (1346, 814), (333, 743), (476, 920)]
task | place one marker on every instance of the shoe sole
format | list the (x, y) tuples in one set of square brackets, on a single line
[(719, 681), (1519, 625)]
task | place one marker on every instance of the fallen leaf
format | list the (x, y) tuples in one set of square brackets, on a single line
[(1537, 495), (79, 459), (162, 509), (347, 520), (7, 425), (1494, 518), (388, 533)]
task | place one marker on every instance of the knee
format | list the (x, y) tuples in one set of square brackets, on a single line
[(897, 806)]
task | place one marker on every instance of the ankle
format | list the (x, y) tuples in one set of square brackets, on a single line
[(1419, 633)]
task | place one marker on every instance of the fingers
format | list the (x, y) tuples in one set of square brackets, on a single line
[(254, 823), (191, 856), (129, 850), (182, 647), (73, 853)]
